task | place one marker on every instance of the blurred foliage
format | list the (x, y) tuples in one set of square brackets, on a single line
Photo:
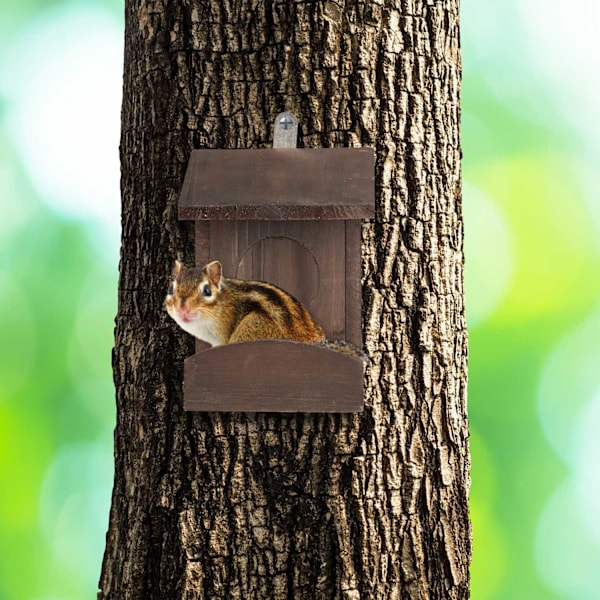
[(57, 306), (534, 254)]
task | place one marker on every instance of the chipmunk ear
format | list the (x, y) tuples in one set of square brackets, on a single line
[(215, 273), (177, 269)]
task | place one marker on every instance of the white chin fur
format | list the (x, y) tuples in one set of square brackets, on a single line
[(200, 329)]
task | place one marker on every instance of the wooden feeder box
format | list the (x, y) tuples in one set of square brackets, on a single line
[(290, 217)]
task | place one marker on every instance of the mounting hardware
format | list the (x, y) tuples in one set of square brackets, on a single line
[(285, 130)]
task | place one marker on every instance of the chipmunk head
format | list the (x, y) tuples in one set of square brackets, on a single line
[(192, 300)]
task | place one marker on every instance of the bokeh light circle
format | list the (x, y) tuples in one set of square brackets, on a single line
[(488, 255), (63, 104)]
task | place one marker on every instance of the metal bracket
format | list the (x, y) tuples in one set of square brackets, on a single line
[(285, 130)]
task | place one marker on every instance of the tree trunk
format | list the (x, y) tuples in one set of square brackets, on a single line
[(307, 506)]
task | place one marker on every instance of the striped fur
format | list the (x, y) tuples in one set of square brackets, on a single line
[(236, 310)]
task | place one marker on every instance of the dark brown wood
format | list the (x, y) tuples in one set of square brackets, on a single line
[(305, 258), (353, 285), (318, 262), (202, 256), (202, 245), (273, 376), (279, 184)]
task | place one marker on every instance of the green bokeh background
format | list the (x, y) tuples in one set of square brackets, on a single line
[(532, 224)]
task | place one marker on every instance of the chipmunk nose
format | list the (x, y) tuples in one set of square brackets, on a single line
[(185, 311)]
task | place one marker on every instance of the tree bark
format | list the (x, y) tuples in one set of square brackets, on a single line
[(244, 506)]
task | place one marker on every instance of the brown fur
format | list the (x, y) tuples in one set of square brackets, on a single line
[(239, 310)]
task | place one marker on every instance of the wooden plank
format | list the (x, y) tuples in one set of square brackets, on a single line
[(273, 376), (202, 243), (202, 256), (353, 296), (279, 184), (305, 258)]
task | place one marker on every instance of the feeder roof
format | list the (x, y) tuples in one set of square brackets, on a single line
[(279, 184)]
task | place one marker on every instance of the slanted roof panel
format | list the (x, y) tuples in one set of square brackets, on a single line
[(279, 184)]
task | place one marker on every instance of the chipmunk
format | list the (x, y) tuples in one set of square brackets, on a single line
[(219, 310)]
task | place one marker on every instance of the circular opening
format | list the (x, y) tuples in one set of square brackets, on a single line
[(283, 262)]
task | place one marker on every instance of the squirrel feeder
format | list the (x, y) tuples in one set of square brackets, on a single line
[(290, 217)]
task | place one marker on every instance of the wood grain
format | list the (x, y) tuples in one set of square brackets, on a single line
[(279, 184), (273, 376), (233, 243)]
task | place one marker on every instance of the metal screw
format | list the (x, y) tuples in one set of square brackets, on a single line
[(286, 122)]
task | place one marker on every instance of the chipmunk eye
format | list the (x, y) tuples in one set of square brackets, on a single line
[(171, 290), (206, 290)]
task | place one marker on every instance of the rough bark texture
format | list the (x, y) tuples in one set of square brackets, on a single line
[(243, 506)]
